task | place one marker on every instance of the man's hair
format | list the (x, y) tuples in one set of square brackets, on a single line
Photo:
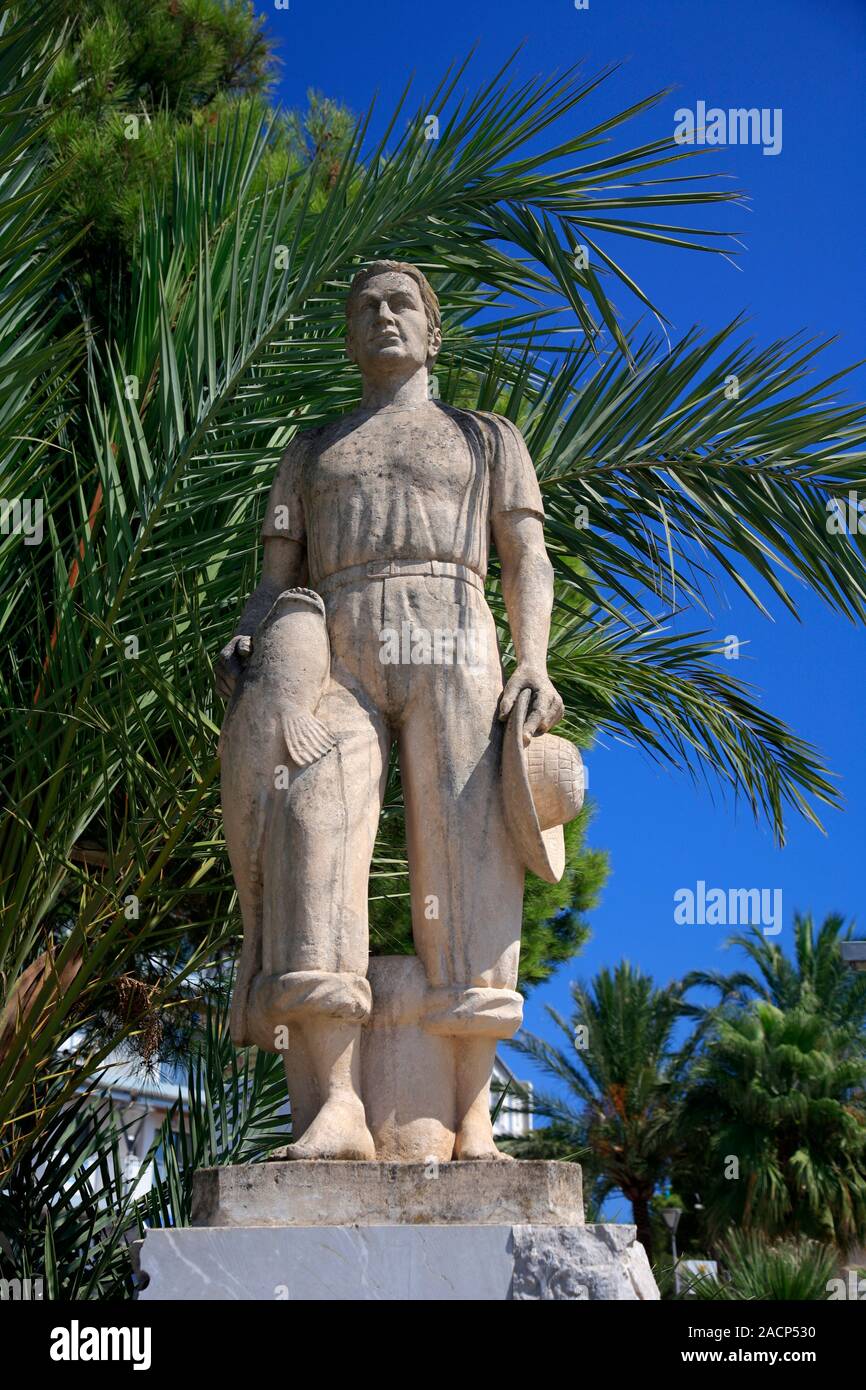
[(428, 295)]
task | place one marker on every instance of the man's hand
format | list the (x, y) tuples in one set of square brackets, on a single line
[(283, 567), (230, 664), (545, 707)]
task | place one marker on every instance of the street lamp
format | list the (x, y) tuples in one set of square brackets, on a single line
[(671, 1217)]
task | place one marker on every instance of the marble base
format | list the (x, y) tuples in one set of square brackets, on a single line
[(422, 1263)]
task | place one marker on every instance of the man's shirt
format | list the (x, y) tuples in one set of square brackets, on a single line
[(420, 484)]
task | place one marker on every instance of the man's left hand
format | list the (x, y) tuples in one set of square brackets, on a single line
[(545, 707)]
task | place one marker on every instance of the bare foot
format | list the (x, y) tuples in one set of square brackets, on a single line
[(475, 1144), (338, 1131)]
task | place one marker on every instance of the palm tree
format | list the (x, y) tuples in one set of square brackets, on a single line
[(619, 1074), (775, 1114), (112, 863), (816, 978)]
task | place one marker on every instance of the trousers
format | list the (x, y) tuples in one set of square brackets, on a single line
[(414, 661)]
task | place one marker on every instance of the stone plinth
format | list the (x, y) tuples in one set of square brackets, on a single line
[(415, 1263), (319, 1193), (487, 1231)]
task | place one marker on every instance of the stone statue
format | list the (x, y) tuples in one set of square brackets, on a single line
[(369, 628)]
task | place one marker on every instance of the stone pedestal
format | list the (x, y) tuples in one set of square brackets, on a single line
[(390, 1194), (359, 1231), (399, 1263)]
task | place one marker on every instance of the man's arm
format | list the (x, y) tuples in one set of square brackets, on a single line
[(527, 587), (282, 567)]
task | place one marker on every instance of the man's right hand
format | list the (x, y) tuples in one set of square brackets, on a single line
[(230, 664)]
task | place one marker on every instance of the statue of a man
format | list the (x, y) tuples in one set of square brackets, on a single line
[(387, 515)]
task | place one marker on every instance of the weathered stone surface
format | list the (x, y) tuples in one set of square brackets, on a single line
[(423, 1263), (388, 515), (408, 1073), (589, 1263), (346, 1193)]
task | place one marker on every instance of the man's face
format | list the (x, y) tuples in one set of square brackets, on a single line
[(388, 330)]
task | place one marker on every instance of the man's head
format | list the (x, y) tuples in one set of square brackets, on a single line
[(392, 320)]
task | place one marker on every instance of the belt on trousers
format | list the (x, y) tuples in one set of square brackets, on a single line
[(395, 569)]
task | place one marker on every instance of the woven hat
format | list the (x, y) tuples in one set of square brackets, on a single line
[(543, 785)]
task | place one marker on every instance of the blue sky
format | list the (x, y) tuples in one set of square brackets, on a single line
[(803, 269)]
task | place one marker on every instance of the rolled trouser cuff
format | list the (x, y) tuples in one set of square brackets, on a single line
[(488, 1013), (279, 1000)]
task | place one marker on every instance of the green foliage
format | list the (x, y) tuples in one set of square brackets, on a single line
[(137, 86), (817, 977), (234, 1111), (619, 1073), (554, 1141), (780, 1092), (162, 63), (786, 1271), (774, 1110), (66, 1213), (68, 1210), (152, 53)]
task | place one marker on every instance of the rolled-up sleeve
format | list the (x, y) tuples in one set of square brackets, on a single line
[(513, 482), (284, 514)]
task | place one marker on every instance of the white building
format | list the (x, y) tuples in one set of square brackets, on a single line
[(142, 1098), (513, 1119)]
